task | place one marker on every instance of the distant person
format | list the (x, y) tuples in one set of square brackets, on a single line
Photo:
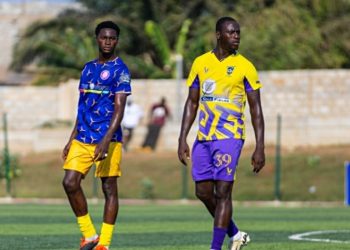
[(132, 116), (97, 135), (220, 83), (159, 113)]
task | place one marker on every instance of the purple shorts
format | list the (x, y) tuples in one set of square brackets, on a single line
[(215, 160)]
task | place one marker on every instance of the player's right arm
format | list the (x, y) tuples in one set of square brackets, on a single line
[(189, 114), (75, 129), (72, 136)]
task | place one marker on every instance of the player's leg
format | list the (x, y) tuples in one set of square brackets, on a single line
[(110, 191), (77, 200), (223, 213), (76, 166), (226, 155), (203, 175), (108, 170), (205, 193), (71, 183)]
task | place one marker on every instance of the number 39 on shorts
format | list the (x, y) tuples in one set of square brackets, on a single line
[(222, 160)]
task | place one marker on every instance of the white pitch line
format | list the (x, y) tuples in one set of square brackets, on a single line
[(301, 236)]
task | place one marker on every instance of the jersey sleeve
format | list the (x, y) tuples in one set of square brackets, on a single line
[(251, 79), (193, 79), (122, 82), (83, 77)]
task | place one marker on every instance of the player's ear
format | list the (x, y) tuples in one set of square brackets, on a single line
[(218, 35)]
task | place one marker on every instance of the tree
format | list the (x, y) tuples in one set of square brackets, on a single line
[(55, 50), (275, 35)]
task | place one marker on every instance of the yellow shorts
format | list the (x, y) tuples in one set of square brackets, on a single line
[(80, 158)]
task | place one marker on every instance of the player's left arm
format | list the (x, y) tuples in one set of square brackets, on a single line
[(258, 157), (119, 106)]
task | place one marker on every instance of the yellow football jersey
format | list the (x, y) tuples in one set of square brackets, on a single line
[(223, 86)]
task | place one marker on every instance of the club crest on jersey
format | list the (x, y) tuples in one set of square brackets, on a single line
[(208, 86), (105, 75), (230, 70)]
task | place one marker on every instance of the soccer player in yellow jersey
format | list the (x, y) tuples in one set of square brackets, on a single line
[(220, 83)]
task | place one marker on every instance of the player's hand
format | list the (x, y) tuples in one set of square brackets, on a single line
[(101, 150), (66, 150), (183, 152), (258, 160)]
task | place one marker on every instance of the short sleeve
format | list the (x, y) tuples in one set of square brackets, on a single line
[(83, 77), (251, 79), (122, 81), (193, 80)]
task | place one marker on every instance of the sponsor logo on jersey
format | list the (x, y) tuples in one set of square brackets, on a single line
[(208, 86)]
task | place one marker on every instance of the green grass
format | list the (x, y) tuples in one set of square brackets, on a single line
[(168, 227), (302, 168)]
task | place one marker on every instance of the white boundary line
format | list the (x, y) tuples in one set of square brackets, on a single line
[(304, 237)]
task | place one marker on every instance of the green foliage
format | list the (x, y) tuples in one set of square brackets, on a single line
[(160, 42), (313, 161), (59, 50), (147, 189), (276, 35), (181, 40), (14, 170), (281, 44)]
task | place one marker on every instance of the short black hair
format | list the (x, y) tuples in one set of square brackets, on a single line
[(222, 20), (107, 25)]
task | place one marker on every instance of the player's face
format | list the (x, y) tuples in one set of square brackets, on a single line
[(107, 41), (229, 36)]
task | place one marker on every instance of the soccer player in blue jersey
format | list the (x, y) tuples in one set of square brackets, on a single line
[(220, 83), (96, 137)]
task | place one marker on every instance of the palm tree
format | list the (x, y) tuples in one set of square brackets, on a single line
[(56, 50)]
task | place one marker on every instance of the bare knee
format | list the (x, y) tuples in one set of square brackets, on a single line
[(223, 196), (109, 189), (71, 184), (205, 191), (204, 196)]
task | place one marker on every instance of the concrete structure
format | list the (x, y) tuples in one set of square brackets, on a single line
[(15, 16), (314, 105)]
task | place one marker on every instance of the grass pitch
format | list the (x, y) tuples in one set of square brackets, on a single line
[(169, 227)]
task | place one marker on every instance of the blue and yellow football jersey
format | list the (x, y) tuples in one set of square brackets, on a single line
[(98, 85), (223, 86)]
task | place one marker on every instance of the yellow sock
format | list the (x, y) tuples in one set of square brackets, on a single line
[(86, 226), (106, 234)]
